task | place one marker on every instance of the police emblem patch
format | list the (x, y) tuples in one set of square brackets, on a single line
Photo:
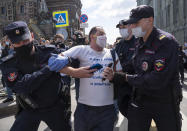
[(17, 32), (145, 66), (12, 76), (159, 64)]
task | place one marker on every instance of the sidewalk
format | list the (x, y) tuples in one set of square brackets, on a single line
[(6, 109)]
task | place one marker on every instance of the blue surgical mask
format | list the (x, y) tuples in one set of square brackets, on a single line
[(7, 43)]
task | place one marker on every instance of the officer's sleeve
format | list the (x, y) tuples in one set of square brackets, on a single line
[(30, 82), (164, 70)]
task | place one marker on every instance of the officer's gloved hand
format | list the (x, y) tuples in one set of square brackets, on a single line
[(57, 62), (119, 78)]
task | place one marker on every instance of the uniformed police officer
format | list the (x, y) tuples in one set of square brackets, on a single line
[(126, 46), (156, 87), (37, 88), (125, 49)]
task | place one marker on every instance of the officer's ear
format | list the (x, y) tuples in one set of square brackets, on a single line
[(32, 35)]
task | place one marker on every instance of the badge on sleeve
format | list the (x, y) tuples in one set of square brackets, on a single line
[(145, 66), (159, 64), (12, 76)]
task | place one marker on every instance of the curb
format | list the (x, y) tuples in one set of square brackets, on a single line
[(7, 109)]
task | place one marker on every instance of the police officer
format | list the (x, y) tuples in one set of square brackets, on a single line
[(125, 49), (38, 89), (126, 46), (156, 87)]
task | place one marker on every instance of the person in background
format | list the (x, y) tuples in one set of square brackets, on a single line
[(42, 41), (8, 50)]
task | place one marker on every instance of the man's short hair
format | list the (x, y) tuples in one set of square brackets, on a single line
[(94, 30)]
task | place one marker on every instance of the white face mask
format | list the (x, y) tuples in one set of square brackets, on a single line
[(137, 32), (124, 33), (101, 41)]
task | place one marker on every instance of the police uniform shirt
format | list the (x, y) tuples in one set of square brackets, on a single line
[(125, 50)]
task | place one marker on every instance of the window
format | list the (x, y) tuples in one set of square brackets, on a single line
[(30, 3), (9, 12), (31, 16), (10, 18), (9, 6), (21, 9), (31, 11), (3, 11)]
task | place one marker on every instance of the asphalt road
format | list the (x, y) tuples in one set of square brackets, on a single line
[(5, 123)]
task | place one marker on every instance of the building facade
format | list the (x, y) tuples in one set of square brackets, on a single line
[(74, 11), (171, 16), (38, 14)]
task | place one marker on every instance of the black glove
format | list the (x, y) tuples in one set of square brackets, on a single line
[(120, 78)]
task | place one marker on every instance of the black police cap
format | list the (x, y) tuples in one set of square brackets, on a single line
[(17, 31), (142, 11), (121, 22)]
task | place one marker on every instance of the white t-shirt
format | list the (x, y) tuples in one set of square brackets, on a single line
[(93, 91)]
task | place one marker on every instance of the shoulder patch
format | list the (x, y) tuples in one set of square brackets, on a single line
[(6, 58), (12, 76), (161, 37)]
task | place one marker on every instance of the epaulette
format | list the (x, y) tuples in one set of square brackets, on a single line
[(7, 58), (161, 37)]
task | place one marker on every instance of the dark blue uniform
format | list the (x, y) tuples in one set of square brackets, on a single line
[(156, 87), (125, 50), (39, 92)]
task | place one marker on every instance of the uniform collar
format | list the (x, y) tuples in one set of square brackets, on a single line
[(152, 39), (132, 39)]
